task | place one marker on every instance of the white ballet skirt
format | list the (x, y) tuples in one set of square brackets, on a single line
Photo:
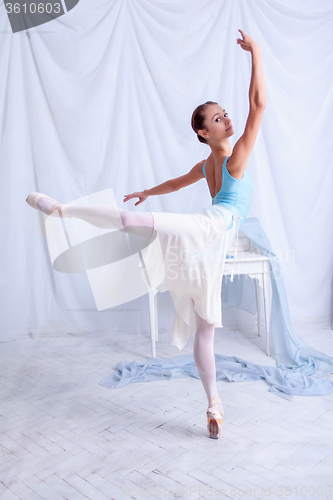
[(185, 256), (194, 248)]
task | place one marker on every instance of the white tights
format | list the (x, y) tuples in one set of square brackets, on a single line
[(108, 217), (203, 354)]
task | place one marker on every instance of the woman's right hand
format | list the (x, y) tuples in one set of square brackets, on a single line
[(138, 194), (247, 43)]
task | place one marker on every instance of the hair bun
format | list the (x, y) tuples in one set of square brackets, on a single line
[(198, 119)]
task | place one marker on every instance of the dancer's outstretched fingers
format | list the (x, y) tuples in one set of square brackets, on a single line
[(139, 194)]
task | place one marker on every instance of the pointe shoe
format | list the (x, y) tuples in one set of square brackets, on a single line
[(33, 198), (214, 419)]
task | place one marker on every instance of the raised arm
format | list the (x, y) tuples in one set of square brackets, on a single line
[(237, 163)]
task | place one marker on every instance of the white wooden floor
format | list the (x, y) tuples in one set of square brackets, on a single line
[(65, 436)]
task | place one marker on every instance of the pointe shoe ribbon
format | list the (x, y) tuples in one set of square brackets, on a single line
[(214, 419)]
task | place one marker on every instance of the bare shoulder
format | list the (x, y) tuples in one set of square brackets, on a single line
[(197, 170), (200, 164)]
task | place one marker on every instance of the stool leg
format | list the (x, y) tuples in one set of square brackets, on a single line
[(267, 293), (152, 320), (258, 305), (156, 317)]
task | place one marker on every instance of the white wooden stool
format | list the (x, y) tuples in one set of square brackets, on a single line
[(251, 261)]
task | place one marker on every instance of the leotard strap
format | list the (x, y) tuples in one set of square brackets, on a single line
[(203, 169)]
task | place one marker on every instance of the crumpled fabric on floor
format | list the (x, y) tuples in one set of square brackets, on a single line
[(231, 368)]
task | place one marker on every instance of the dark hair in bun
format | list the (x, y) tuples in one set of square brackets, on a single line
[(198, 119)]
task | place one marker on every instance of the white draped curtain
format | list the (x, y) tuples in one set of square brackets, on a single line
[(102, 98)]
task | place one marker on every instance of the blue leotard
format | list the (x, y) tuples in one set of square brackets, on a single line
[(235, 194)]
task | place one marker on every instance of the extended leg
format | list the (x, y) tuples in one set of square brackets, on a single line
[(105, 217), (108, 217)]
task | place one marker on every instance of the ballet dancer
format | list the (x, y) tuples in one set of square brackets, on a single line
[(230, 187)]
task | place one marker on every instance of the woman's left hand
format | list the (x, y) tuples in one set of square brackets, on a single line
[(247, 43), (138, 194)]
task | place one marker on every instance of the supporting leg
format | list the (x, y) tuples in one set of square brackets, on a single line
[(203, 353)]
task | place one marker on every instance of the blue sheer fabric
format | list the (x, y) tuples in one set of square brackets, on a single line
[(231, 368), (290, 351), (298, 365)]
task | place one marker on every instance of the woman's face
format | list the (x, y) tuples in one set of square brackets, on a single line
[(218, 124)]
